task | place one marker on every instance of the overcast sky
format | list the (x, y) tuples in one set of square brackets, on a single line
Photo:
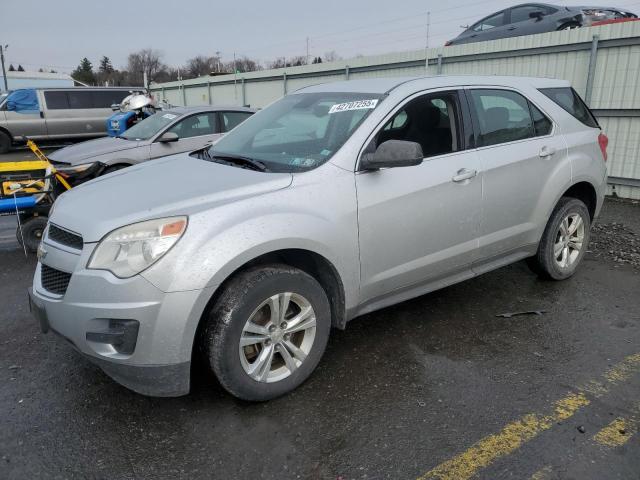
[(58, 33)]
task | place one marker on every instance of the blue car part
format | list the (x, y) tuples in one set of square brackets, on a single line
[(8, 205)]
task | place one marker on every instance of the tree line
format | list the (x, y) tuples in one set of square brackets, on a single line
[(151, 62)]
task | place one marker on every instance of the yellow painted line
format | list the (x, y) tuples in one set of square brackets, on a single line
[(616, 434), (492, 447), (542, 474)]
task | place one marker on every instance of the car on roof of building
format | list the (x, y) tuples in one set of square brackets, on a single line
[(531, 18), (167, 132), (335, 201)]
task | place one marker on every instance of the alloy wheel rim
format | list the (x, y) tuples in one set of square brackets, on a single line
[(569, 240), (278, 337)]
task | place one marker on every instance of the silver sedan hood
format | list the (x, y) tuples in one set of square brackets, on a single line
[(84, 151), (176, 185)]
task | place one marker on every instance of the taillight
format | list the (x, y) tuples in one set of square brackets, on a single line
[(603, 141)]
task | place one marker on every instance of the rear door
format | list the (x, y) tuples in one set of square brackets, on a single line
[(523, 24), (523, 156), (490, 28), (194, 132)]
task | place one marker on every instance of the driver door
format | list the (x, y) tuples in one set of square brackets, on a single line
[(194, 132), (419, 225)]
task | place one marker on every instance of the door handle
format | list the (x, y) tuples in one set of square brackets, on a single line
[(464, 174), (546, 152), (41, 114)]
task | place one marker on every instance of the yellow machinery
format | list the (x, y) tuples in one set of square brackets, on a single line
[(28, 190)]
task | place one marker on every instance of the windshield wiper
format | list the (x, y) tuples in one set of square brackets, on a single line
[(239, 160)]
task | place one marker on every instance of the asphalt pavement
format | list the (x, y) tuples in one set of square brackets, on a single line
[(436, 387)]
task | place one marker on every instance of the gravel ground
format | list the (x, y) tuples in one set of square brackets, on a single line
[(618, 237)]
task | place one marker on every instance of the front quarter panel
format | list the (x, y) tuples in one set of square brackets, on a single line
[(316, 213)]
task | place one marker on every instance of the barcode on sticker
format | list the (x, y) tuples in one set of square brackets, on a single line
[(355, 105)]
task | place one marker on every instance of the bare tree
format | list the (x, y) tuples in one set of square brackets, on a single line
[(243, 64), (147, 61), (282, 62), (331, 56), (200, 65)]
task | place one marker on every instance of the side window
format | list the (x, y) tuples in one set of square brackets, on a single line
[(233, 119), (80, 100), (521, 14), (106, 98), (56, 100), (195, 126), (541, 123), (431, 120), (489, 23), (502, 116), (570, 101)]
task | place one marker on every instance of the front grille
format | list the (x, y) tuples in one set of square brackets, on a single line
[(54, 280), (65, 237)]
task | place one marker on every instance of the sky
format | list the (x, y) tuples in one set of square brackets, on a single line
[(58, 34)]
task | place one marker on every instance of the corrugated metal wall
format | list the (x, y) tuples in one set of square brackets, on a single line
[(602, 63)]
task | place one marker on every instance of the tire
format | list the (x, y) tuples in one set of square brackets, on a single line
[(32, 231), (246, 303), (569, 26), (5, 142), (571, 216)]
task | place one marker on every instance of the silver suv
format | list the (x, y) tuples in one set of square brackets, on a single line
[(335, 201)]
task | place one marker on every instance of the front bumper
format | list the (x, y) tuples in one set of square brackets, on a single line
[(95, 312)]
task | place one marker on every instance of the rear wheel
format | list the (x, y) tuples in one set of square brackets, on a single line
[(5, 142), (564, 241), (32, 231), (267, 332), (569, 26)]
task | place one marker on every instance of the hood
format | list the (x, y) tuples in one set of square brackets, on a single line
[(176, 185), (80, 152)]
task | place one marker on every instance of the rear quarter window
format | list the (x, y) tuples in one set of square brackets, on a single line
[(569, 100)]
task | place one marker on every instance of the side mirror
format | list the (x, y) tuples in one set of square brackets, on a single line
[(169, 137), (538, 14), (393, 153), (115, 107), (11, 106)]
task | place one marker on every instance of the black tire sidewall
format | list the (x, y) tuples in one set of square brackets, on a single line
[(546, 258), (229, 315), (5, 143), (30, 229)]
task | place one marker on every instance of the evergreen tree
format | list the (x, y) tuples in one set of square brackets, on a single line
[(84, 72), (20, 69), (11, 68)]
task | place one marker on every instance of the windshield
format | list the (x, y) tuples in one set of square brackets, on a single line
[(148, 127), (298, 132)]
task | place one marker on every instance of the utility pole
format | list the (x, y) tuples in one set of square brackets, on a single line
[(428, 26), (235, 78), (218, 60), (4, 72), (307, 50)]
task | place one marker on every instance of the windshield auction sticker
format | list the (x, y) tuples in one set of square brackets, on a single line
[(356, 105)]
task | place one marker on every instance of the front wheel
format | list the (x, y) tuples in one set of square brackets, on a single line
[(5, 142), (564, 241), (267, 332), (30, 232)]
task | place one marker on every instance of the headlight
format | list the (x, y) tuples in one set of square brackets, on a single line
[(75, 169), (129, 250)]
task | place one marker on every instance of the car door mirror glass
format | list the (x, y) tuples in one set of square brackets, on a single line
[(393, 153), (168, 137)]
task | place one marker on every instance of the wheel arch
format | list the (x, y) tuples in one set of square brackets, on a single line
[(585, 192), (310, 262)]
